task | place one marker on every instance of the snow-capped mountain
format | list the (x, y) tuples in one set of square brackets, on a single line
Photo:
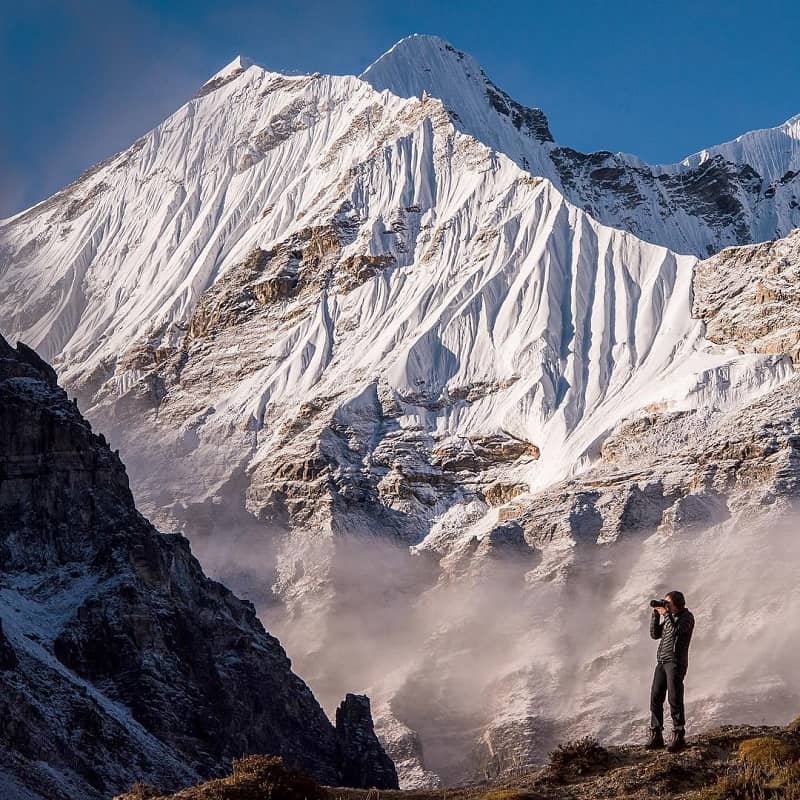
[(308, 246), (735, 193), (383, 332)]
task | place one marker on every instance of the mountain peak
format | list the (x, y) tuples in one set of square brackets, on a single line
[(773, 152), (423, 63), (418, 44), (419, 62), (239, 64), (791, 122), (225, 75), (420, 41)]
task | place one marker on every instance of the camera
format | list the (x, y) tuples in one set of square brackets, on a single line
[(657, 603)]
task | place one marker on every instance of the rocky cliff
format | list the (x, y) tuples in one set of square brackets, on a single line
[(119, 659), (748, 296)]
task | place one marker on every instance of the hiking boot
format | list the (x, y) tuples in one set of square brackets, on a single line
[(656, 740), (678, 742)]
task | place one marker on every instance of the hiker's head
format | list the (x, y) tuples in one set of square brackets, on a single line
[(675, 601)]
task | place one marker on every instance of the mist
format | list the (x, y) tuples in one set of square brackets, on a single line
[(494, 666)]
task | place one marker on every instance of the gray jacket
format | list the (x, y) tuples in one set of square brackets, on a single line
[(675, 634)]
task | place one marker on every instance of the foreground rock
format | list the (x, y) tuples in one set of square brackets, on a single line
[(366, 762), (119, 659)]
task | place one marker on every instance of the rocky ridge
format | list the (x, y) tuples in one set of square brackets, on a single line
[(119, 659), (743, 191)]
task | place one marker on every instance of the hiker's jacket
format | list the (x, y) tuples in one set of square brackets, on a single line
[(675, 634)]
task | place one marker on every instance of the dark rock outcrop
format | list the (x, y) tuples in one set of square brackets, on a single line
[(8, 658), (135, 665), (364, 762)]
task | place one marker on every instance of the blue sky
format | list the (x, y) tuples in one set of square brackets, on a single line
[(82, 79)]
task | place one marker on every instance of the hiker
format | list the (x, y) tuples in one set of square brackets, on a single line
[(672, 623)]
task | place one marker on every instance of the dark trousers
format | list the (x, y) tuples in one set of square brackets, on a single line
[(667, 682)]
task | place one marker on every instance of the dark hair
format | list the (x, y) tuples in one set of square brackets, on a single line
[(677, 598)]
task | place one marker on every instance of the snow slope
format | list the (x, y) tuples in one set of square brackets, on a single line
[(773, 152)]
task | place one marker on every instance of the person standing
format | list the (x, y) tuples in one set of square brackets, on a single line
[(673, 624)]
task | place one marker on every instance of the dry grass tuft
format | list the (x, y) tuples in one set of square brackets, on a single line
[(767, 768), (253, 778), (141, 791), (766, 753), (578, 757)]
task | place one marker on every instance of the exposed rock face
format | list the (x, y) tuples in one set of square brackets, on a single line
[(62, 488), (365, 762), (132, 664), (358, 269), (477, 453), (748, 297), (676, 472), (721, 198)]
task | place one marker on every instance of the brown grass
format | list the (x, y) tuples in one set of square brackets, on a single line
[(766, 753), (767, 769), (577, 757), (732, 763), (253, 778)]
